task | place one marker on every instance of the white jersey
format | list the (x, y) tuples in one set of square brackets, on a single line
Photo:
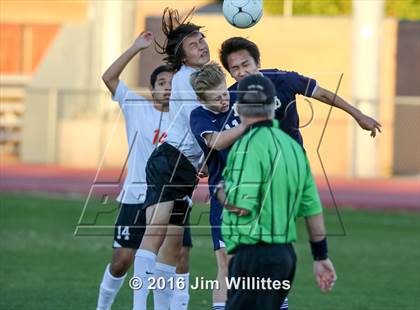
[(146, 128), (183, 100)]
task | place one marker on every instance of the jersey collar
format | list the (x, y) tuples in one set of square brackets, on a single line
[(264, 123), (207, 109)]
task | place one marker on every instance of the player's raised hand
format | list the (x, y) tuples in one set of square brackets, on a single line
[(325, 274), (144, 40), (368, 123)]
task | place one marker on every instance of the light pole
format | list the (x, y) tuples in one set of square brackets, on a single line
[(367, 26)]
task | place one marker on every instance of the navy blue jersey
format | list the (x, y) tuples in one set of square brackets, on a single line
[(287, 84), (204, 121)]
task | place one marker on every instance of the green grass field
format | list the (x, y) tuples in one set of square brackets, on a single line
[(44, 266)]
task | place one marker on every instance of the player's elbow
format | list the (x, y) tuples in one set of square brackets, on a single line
[(106, 78), (322, 94), (110, 82)]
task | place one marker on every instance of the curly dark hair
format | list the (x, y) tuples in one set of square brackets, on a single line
[(175, 30)]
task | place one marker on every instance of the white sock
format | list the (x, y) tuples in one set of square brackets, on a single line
[(109, 287), (144, 268), (163, 297), (285, 305), (219, 306), (181, 296)]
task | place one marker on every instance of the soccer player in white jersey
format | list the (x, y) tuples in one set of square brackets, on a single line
[(146, 122), (171, 171)]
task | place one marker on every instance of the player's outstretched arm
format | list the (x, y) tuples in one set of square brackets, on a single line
[(111, 76), (364, 121), (324, 271), (224, 139)]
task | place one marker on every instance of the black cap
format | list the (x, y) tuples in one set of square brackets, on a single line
[(256, 89)]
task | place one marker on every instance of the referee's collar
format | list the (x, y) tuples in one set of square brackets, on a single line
[(264, 123)]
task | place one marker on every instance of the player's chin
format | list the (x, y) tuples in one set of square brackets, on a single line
[(205, 58), (164, 101), (224, 109)]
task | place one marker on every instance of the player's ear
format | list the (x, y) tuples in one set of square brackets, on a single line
[(202, 97), (259, 65)]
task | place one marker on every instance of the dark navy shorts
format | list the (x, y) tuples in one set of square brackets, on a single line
[(216, 223)]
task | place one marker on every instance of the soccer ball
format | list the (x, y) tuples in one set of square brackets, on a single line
[(243, 13)]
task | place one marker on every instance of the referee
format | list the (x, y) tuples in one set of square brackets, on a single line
[(268, 183)]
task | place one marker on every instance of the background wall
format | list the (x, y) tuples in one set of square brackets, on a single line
[(71, 125)]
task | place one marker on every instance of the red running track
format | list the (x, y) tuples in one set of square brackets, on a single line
[(394, 193)]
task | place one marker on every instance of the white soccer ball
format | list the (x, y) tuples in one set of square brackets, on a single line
[(243, 13)]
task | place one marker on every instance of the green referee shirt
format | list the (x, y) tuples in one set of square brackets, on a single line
[(268, 174)]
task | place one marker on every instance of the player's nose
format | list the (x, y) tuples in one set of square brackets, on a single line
[(242, 74)]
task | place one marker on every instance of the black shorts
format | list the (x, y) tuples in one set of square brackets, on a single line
[(169, 175), (274, 261), (131, 225), (181, 212)]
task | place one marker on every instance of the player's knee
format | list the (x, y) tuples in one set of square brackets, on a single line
[(120, 268), (121, 262), (173, 251), (153, 239)]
